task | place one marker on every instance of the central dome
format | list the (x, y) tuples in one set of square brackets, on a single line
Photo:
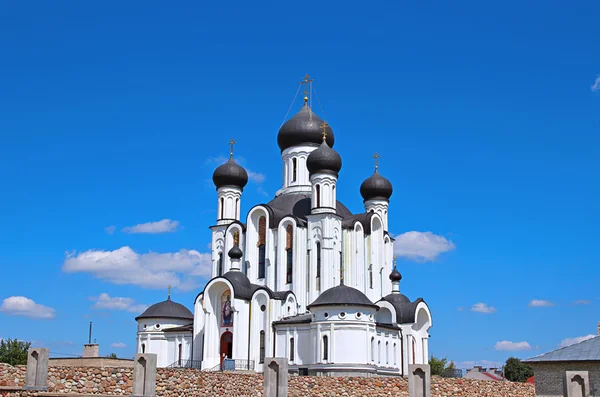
[(304, 127)]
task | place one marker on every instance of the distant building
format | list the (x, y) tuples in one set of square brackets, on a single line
[(480, 373), (549, 368)]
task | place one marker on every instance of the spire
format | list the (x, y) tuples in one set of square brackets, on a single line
[(395, 277), (169, 295)]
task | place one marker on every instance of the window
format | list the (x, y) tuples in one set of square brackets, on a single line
[(220, 264), (318, 194), (294, 169), (341, 269), (143, 348), (237, 205), (371, 276), (289, 242), (291, 349), (318, 262), (379, 352), (394, 353), (222, 207), (262, 239), (261, 358), (373, 349), (263, 308), (179, 354), (387, 352), (325, 348)]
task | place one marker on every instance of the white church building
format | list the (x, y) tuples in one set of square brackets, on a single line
[(299, 277)]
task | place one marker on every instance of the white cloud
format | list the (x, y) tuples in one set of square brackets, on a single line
[(540, 303), (110, 229), (118, 345), (151, 270), (596, 85), (22, 306), (571, 341), (582, 302), (512, 346), (162, 226), (104, 301), (483, 308), (421, 246), (256, 177)]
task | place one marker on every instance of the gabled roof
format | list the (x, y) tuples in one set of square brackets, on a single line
[(405, 309), (588, 350)]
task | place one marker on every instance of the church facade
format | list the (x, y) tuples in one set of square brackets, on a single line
[(300, 276)]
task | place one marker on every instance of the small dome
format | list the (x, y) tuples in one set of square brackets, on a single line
[(235, 252), (304, 127), (395, 275), (230, 174), (376, 187), (167, 309), (324, 160), (342, 295)]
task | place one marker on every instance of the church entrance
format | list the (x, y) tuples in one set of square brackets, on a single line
[(226, 345)]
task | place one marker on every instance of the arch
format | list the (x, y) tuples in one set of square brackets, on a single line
[(371, 276), (220, 264), (379, 352), (226, 345), (373, 349), (384, 316), (222, 209), (325, 348), (387, 353), (318, 195), (294, 169), (143, 348), (395, 355), (262, 246), (318, 253)]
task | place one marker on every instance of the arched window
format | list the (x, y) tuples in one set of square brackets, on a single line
[(222, 208), (236, 238), (394, 353), (179, 354), (318, 193), (289, 250), (341, 269), (294, 169), (414, 347), (291, 349), (379, 352), (325, 348), (261, 353), (318, 248), (373, 349), (387, 352), (371, 276), (143, 348), (262, 239), (237, 205), (220, 264)]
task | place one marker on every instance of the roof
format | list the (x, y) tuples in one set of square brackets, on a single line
[(324, 160), (376, 187), (230, 173), (167, 309), (588, 350), (304, 318), (297, 205), (342, 295), (244, 289), (364, 218), (481, 376), (304, 128), (183, 328), (405, 309)]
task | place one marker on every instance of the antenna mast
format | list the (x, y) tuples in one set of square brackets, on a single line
[(90, 336)]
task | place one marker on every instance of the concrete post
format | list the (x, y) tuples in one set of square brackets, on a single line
[(276, 377), (419, 380), (37, 369), (576, 384), (144, 375)]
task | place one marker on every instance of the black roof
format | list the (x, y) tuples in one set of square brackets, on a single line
[(183, 328), (244, 289), (303, 318), (376, 187), (167, 309), (395, 275), (304, 127), (230, 173), (297, 205), (405, 309), (342, 295), (235, 252), (364, 218), (324, 160)]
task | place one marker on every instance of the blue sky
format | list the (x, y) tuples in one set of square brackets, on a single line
[(486, 117)]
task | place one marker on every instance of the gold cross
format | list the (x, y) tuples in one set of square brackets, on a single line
[(324, 127), (169, 291), (376, 157), (231, 143)]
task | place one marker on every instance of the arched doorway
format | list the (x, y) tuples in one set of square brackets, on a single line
[(227, 345)]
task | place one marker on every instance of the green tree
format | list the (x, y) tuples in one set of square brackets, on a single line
[(516, 371), (437, 365), (112, 355), (13, 351)]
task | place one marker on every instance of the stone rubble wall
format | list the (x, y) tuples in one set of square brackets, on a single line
[(192, 383)]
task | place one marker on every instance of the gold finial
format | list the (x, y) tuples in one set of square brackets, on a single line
[(231, 143), (169, 297), (306, 81), (324, 127), (376, 157)]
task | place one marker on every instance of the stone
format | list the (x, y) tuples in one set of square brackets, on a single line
[(275, 382), (144, 375), (577, 384), (37, 369), (419, 380)]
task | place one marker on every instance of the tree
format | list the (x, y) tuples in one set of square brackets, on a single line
[(112, 355), (13, 351), (438, 365), (516, 371)]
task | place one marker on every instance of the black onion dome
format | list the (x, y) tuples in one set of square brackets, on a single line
[(167, 309), (304, 127), (235, 252), (230, 174), (324, 160), (376, 187), (342, 295), (395, 275)]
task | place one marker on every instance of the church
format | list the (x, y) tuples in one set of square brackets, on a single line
[(299, 277)]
